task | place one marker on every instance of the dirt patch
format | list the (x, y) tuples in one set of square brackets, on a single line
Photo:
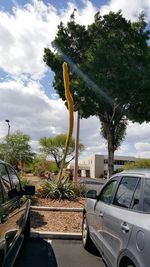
[(79, 203), (56, 221)]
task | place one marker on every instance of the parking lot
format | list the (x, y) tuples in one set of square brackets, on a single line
[(56, 253)]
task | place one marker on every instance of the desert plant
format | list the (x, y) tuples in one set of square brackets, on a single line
[(62, 189), (79, 189)]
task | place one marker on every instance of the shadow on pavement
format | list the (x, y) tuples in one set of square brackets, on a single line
[(36, 253)]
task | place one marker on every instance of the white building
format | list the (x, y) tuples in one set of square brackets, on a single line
[(97, 165)]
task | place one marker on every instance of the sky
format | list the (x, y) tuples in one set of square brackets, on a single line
[(27, 97)]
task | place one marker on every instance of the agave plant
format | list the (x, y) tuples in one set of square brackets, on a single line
[(62, 189)]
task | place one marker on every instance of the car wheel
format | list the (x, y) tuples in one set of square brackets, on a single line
[(26, 231), (86, 240)]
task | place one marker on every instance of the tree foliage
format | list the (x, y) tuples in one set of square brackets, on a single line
[(54, 147), (41, 166), (16, 147), (109, 71)]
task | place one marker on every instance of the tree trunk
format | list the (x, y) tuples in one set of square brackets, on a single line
[(108, 130), (110, 153)]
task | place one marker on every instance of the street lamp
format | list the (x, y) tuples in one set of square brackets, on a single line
[(5, 158), (8, 128)]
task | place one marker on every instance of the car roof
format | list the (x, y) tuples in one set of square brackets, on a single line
[(139, 172)]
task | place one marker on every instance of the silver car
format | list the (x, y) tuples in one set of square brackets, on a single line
[(117, 220)]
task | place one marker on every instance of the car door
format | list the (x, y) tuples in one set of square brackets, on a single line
[(7, 230), (11, 211), (2, 235), (104, 199), (117, 220)]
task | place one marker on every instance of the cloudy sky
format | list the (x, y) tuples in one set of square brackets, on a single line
[(27, 97)]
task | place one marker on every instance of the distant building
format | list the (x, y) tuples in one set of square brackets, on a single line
[(97, 165)]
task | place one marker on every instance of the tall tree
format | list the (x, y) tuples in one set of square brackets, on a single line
[(54, 147), (109, 71), (17, 148)]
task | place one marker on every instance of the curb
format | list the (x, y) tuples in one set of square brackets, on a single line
[(43, 208), (56, 235)]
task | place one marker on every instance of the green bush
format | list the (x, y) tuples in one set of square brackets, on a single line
[(28, 169), (61, 190), (79, 190), (23, 181), (119, 170), (41, 166), (138, 164)]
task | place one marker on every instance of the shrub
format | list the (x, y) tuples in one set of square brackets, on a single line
[(28, 168), (23, 181), (61, 190), (79, 190), (41, 166), (119, 170), (141, 163)]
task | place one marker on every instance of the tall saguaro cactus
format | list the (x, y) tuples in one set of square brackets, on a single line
[(71, 118)]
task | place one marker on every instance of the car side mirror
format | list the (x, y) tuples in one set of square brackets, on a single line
[(29, 190), (91, 194)]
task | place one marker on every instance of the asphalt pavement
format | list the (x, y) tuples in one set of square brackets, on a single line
[(36, 253), (56, 253), (72, 254)]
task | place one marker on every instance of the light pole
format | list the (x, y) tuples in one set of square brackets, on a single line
[(5, 158)]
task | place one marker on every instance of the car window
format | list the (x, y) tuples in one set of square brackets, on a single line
[(5, 181), (107, 192), (146, 196), (135, 205), (14, 178), (125, 191)]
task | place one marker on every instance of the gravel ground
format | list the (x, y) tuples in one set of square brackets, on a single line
[(56, 221)]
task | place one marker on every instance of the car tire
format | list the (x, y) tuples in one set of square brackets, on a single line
[(86, 240), (26, 231)]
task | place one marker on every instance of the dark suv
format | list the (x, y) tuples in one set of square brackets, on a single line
[(14, 214)]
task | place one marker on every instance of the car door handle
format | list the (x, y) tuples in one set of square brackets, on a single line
[(125, 227), (101, 214), (4, 218)]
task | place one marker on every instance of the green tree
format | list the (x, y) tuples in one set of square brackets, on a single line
[(114, 55), (41, 165), (54, 147), (17, 148)]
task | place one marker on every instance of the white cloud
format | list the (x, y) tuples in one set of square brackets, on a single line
[(130, 9), (142, 147), (137, 132), (30, 110), (24, 33), (29, 29)]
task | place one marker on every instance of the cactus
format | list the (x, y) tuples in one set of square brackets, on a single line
[(71, 118)]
